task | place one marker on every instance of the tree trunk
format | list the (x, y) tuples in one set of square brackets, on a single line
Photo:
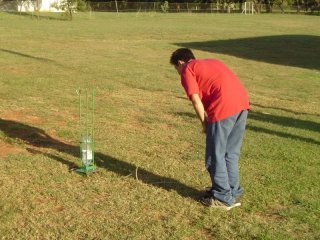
[(269, 7), (298, 6), (257, 7), (240, 5), (280, 6)]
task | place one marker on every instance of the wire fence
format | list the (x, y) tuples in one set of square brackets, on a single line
[(123, 6), (217, 7)]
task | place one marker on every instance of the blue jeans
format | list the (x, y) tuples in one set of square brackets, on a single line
[(223, 143)]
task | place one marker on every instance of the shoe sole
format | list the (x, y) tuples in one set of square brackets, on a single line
[(224, 207), (233, 206), (227, 208), (207, 193)]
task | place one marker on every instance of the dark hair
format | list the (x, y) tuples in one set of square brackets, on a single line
[(182, 54)]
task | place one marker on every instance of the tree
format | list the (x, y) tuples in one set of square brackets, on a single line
[(282, 3), (70, 6), (313, 5), (165, 6)]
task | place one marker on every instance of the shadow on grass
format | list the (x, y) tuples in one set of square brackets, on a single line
[(37, 16), (37, 140), (290, 50), (274, 119), (30, 56), (186, 114), (285, 121), (282, 134), (284, 110)]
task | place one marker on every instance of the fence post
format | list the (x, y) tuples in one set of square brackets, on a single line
[(117, 7)]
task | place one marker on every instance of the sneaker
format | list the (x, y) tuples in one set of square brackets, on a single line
[(215, 203), (208, 194)]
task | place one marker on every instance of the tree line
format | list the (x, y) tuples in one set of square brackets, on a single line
[(300, 5)]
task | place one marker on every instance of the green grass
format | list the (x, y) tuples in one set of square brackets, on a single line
[(144, 124)]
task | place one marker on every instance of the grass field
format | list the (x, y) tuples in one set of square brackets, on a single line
[(149, 145)]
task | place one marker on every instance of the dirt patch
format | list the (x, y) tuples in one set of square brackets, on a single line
[(22, 128), (6, 149), (17, 70), (20, 116)]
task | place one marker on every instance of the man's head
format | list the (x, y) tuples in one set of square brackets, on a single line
[(180, 57)]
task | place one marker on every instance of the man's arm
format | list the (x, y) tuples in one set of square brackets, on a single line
[(198, 107)]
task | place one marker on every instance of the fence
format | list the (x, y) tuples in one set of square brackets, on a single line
[(157, 7), (217, 7), (123, 6)]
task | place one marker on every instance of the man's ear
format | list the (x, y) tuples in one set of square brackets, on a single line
[(180, 62)]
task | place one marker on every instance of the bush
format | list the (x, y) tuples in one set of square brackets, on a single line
[(165, 6), (70, 6)]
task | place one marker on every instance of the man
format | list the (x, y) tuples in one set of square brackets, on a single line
[(222, 104)]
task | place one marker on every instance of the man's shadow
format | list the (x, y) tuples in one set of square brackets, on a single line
[(288, 50), (38, 141)]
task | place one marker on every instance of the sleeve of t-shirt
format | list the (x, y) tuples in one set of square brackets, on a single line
[(189, 82)]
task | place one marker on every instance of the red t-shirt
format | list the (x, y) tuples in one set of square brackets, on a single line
[(219, 89)]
